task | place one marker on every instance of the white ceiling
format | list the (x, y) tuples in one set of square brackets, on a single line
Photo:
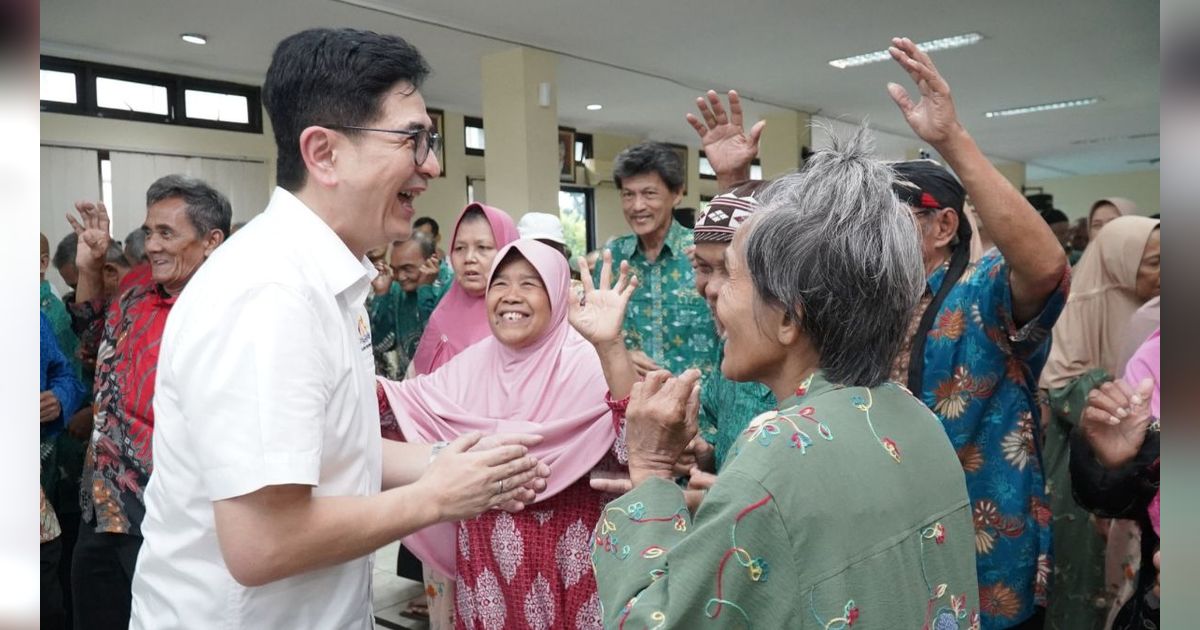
[(646, 61)]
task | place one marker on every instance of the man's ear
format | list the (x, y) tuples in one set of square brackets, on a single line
[(945, 223), (211, 241), (318, 148)]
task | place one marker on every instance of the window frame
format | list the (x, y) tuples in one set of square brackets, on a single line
[(87, 72), (476, 122), (589, 219)]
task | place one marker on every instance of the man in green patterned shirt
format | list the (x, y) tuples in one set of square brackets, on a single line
[(668, 325)]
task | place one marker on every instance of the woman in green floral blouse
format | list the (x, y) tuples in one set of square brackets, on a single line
[(846, 506)]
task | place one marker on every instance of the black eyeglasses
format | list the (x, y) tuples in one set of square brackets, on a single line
[(426, 140)]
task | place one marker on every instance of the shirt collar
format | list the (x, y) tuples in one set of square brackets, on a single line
[(678, 238), (337, 266)]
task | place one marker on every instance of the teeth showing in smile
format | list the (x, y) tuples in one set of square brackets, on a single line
[(512, 316)]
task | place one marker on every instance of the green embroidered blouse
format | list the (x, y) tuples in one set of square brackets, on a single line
[(848, 507), (666, 318)]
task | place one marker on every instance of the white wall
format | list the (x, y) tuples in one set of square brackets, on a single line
[(1075, 195)]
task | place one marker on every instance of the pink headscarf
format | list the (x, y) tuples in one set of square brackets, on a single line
[(554, 387), (460, 319), (1145, 364)]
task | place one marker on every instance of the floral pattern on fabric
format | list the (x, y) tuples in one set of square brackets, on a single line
[(666, 318), (981, 374), (118, 463), (529, 569)]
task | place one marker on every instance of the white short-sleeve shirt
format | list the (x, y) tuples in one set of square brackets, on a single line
[(265, 377)]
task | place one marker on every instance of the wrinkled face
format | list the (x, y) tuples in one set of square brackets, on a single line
[(377, 175), (173, 246), (710, 272), (749, 352), (1149, 273), (406, 264), (647, 203), (517, 303), (1100, 218), (471, 255)]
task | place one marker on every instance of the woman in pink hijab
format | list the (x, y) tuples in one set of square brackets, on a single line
[(459, 319), (536, 374)]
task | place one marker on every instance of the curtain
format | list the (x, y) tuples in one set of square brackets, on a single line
[(68, 175), (243, 182)]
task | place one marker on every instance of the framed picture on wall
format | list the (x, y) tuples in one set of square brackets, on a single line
[(439, 125), (566, 154), (682, 152)]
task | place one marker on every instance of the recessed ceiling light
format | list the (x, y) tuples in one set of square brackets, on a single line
[(1046, 107), (945, 43), (194, 38), (595, 107)]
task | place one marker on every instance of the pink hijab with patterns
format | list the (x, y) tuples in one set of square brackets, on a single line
[(553, 387)]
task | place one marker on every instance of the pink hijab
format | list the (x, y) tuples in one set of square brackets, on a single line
[(554, 387), (460, 319)]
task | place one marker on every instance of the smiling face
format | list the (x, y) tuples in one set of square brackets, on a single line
[(710, 272), (173, 246), (377, 175), (517, 303), (750, 352), (406, 263), (472, 253), (647, 203)]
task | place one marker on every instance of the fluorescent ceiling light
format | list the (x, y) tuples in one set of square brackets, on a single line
[(1033, 109), (945, 43), (595, 107), (194, 38)]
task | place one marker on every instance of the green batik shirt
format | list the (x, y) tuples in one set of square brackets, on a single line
[(430, 295), (666, 318), (848, 508), (726, 407), (396, 326)]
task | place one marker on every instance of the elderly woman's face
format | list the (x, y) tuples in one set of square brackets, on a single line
[(749, 351), (1149, 274), (517, 303), (471, 255)]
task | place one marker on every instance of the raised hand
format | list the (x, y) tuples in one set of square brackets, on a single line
[(728, 148), (660, 421), (382, 282), (92, 229), (599, 316), (428, 271), (467, 482), (1116, 420), (933, 118)]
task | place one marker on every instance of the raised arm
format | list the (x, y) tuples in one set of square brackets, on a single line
[(1036, 260), (728, 148), (598, 318)]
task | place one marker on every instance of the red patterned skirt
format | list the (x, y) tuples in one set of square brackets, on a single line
[(532, 569)]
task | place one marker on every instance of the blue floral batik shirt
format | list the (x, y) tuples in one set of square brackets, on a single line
[(981, 375), (666, 318)]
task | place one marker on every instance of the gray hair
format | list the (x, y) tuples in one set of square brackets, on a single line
[(840, 254), (207, 208), (425, 242), (650, 157), (116, 255), (135, 246)]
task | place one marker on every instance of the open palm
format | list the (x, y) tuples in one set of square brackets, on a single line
[(92, 229), (599, 316), (933, 118)]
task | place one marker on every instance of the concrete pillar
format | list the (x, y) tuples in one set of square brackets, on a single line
[(779, 148), (521, 158)]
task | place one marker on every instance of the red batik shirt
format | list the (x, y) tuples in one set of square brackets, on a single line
[(119, 462)]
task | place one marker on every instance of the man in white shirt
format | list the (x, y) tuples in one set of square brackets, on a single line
[(272, 485)]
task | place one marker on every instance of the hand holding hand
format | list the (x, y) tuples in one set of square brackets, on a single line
[(466, 483), (1116, 419), (933, 118), (660, 421)]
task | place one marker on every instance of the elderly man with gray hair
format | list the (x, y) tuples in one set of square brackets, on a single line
[(847, 503), (397, 320), (186, 220)]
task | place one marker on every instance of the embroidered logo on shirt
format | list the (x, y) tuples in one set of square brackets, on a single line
[(364, 333)]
